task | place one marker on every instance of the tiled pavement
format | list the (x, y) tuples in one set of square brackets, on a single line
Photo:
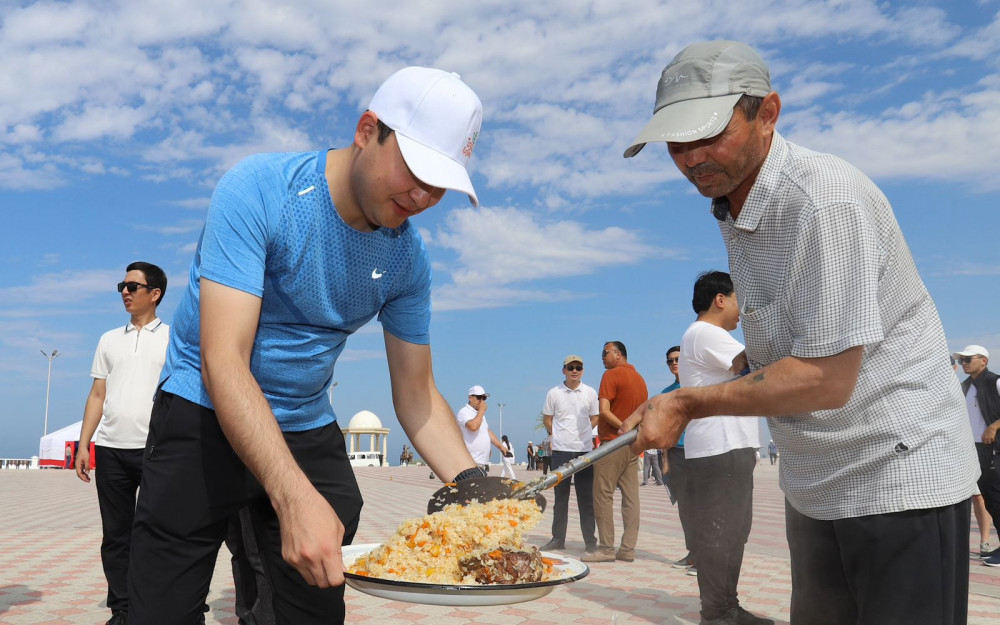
[(50, 569)]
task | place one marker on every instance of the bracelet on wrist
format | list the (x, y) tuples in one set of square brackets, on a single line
[(469, 473)]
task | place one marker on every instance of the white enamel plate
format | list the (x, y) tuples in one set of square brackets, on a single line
[(464, 594)]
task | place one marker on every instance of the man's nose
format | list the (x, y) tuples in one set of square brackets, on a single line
[(425, 196), (690, 154)]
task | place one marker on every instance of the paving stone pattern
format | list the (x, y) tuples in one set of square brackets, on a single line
[(50, 567)]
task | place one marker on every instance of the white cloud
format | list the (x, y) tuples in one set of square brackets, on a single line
[(59, 287), (499, 248), (199, 84), (945, 136)]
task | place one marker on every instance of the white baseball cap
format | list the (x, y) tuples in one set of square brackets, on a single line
[(436, 118), (973, 350), (478, 390), (698, 90)]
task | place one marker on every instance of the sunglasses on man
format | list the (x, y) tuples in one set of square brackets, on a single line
[(574, 367), (133, 286), (966, 359)]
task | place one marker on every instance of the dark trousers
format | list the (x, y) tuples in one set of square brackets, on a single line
[(989, 481), (907, 567), (583, 481), (721, 496), (118, 474), (254, 600), (193, 483), (679, 485)]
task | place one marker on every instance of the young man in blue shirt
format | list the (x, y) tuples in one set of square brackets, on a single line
[(298, 252)]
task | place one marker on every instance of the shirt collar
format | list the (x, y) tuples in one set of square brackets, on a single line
[(768, 179), (152, 326), (571, 390)]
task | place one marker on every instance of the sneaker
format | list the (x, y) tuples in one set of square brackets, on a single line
[(642, 483), (993, 560), (683, 563), (742, 617), (554, 545), (692, 571), (118, 617), (985, 552), (600, 556)]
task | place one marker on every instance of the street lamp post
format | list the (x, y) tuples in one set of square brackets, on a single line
[(48, 386), (499, 405)]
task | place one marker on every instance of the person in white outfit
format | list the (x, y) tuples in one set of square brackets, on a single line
[(507, 458), (475, 431)]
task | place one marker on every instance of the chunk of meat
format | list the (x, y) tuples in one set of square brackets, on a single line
[(505, 566)]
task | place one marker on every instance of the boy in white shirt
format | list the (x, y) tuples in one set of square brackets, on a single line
[(720, 452)]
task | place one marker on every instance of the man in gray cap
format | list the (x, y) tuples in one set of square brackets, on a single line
[(982, 400), (847, 355)]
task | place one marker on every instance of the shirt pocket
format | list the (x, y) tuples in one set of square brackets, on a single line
[(767, 333)]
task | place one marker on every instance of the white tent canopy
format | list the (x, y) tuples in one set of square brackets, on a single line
[(52, 448)]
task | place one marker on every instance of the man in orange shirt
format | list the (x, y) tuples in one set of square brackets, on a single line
[(622, 391)]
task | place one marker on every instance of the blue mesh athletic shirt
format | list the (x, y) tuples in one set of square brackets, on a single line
[(273, 231)]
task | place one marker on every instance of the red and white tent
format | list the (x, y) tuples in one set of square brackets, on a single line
[(52, 448)]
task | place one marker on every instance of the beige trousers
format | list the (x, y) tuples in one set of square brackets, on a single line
[(619, 469)]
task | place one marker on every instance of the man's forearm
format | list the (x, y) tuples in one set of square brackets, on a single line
[(610, 418), (430, 425), (789, 387), (92, 413)]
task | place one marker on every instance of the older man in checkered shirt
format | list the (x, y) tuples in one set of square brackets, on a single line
[(847, 353)]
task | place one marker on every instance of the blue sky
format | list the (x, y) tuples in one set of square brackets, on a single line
[(117, 119)]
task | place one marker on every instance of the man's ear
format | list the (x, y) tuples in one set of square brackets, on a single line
[(366, 130), (769, 111)]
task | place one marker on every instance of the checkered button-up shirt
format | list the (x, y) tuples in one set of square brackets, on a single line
[(820, 266)]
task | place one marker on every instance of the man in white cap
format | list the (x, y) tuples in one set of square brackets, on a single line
[(847, 353), (298, 252), (475, 431), (982, 400)]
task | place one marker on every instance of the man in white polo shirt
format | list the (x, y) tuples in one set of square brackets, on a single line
[(720, 453), (126, 371), (570, 413), (477, 434)]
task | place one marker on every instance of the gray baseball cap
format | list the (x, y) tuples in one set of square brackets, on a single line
[(698, 90)]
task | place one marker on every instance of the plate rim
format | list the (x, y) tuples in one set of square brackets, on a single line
[(466, 587)]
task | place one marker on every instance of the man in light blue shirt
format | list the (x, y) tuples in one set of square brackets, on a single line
[(298, 252)]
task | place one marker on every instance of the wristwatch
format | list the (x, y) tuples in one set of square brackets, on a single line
[(469, 473)]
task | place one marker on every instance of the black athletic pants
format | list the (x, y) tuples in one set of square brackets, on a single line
[(192, 484), (906, 568), (117, 475), (989, 481)]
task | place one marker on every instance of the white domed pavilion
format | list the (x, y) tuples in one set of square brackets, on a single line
[(374, 454)]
